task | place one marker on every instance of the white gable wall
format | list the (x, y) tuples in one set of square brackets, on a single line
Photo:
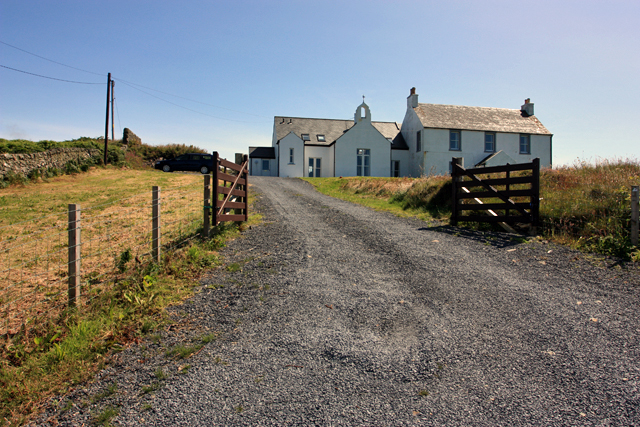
[(363, 135), (410, 127), (297, 168)]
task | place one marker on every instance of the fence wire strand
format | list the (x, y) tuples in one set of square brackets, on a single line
[(34, 262)]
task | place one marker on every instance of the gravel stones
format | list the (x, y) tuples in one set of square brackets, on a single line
[(332, 314)]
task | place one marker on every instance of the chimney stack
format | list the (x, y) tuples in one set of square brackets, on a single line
[(412, 99), (527, 108)]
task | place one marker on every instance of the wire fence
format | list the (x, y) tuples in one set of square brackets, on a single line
[(36, 256)]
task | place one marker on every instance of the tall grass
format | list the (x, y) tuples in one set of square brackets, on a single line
[(586, 206)]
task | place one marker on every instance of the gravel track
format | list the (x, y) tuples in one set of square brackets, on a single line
[(339, 315)]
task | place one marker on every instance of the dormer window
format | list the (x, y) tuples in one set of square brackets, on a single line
[(305, 137), (321, 138)]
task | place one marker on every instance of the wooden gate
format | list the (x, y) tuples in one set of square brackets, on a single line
[(230, 192), (505, 210)]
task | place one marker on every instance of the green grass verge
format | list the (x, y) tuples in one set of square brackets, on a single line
[(585, 206)]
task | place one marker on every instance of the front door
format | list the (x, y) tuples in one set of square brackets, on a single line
[(314, 167)]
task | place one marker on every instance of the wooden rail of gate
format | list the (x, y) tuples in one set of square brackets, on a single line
[(230, 192), (466, 181)]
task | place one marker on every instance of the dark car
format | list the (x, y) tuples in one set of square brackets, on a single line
[(187, 162)]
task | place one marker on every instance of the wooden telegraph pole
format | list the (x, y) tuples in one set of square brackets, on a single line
[(113, 122), (106, 126)]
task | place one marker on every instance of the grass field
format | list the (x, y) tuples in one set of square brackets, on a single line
[(586, 206), (48, 347)]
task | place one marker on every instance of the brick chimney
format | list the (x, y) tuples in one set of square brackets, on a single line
[(527, 108), (412, 99)]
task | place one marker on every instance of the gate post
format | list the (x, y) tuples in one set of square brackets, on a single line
[(74, 255), (207, 206), (245, 173), (455, 177), (214, 193), (155, 232), (535, 198), (634, 215)]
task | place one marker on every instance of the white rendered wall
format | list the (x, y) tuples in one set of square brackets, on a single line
[(403, 157), (323, 152), (438, 156), (297, 169), (410, 126), (363, 135)]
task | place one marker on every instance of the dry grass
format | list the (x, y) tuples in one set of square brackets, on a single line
[(115, 220)]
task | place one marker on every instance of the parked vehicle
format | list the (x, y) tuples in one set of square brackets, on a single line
[(187, 162)]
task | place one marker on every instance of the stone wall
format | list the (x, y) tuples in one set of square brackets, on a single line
[(55, 158)]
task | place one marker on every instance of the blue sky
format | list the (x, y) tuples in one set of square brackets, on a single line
[(232, 66)]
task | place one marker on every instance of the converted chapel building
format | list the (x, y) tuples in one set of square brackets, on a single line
[(430, 135)]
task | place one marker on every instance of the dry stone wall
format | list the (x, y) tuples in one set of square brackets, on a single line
[(24, 164)]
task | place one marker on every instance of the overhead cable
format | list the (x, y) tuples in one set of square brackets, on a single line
[(50, 60), (181, 106), (51, 78)]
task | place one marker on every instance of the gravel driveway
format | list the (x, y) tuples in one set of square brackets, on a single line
[(332, 314)]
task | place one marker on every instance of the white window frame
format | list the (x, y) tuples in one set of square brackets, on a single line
[(493, 143), (363, 164), (526, 139), (459, 147)]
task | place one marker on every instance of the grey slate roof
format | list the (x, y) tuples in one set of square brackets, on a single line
[(478, 118), (262, 152), (331, 129)]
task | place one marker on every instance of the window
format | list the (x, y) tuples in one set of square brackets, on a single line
[(419, 141), (314, 167), (305, 137), (363, 167), (395, 168), (321, 138), (489, 142), (290, 156), (265, 165), (454, 140), (525, 144)]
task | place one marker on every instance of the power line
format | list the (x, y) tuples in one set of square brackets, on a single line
[(178, 105), (191, 100), (50, 60), (51, 78)]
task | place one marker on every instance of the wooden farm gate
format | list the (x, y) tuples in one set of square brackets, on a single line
[(230, 192), (504, 188)]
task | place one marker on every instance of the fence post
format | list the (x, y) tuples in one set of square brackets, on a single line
[(634, 215), (207, 206), (156, 224), (535, 199), (214, 193), (245, 172), (74, 254), (454, 190)]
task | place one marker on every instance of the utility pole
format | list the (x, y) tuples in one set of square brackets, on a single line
[(106, 126), (113, 122)]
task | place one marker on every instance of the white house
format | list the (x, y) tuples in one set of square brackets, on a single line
[(430, 135), (481, 136), (325, 148)]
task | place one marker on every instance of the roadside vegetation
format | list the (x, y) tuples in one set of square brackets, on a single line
[(585, 206), (136, 155), (67, 349)]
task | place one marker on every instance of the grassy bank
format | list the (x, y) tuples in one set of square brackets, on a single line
[(66, 348), (584, 206)]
